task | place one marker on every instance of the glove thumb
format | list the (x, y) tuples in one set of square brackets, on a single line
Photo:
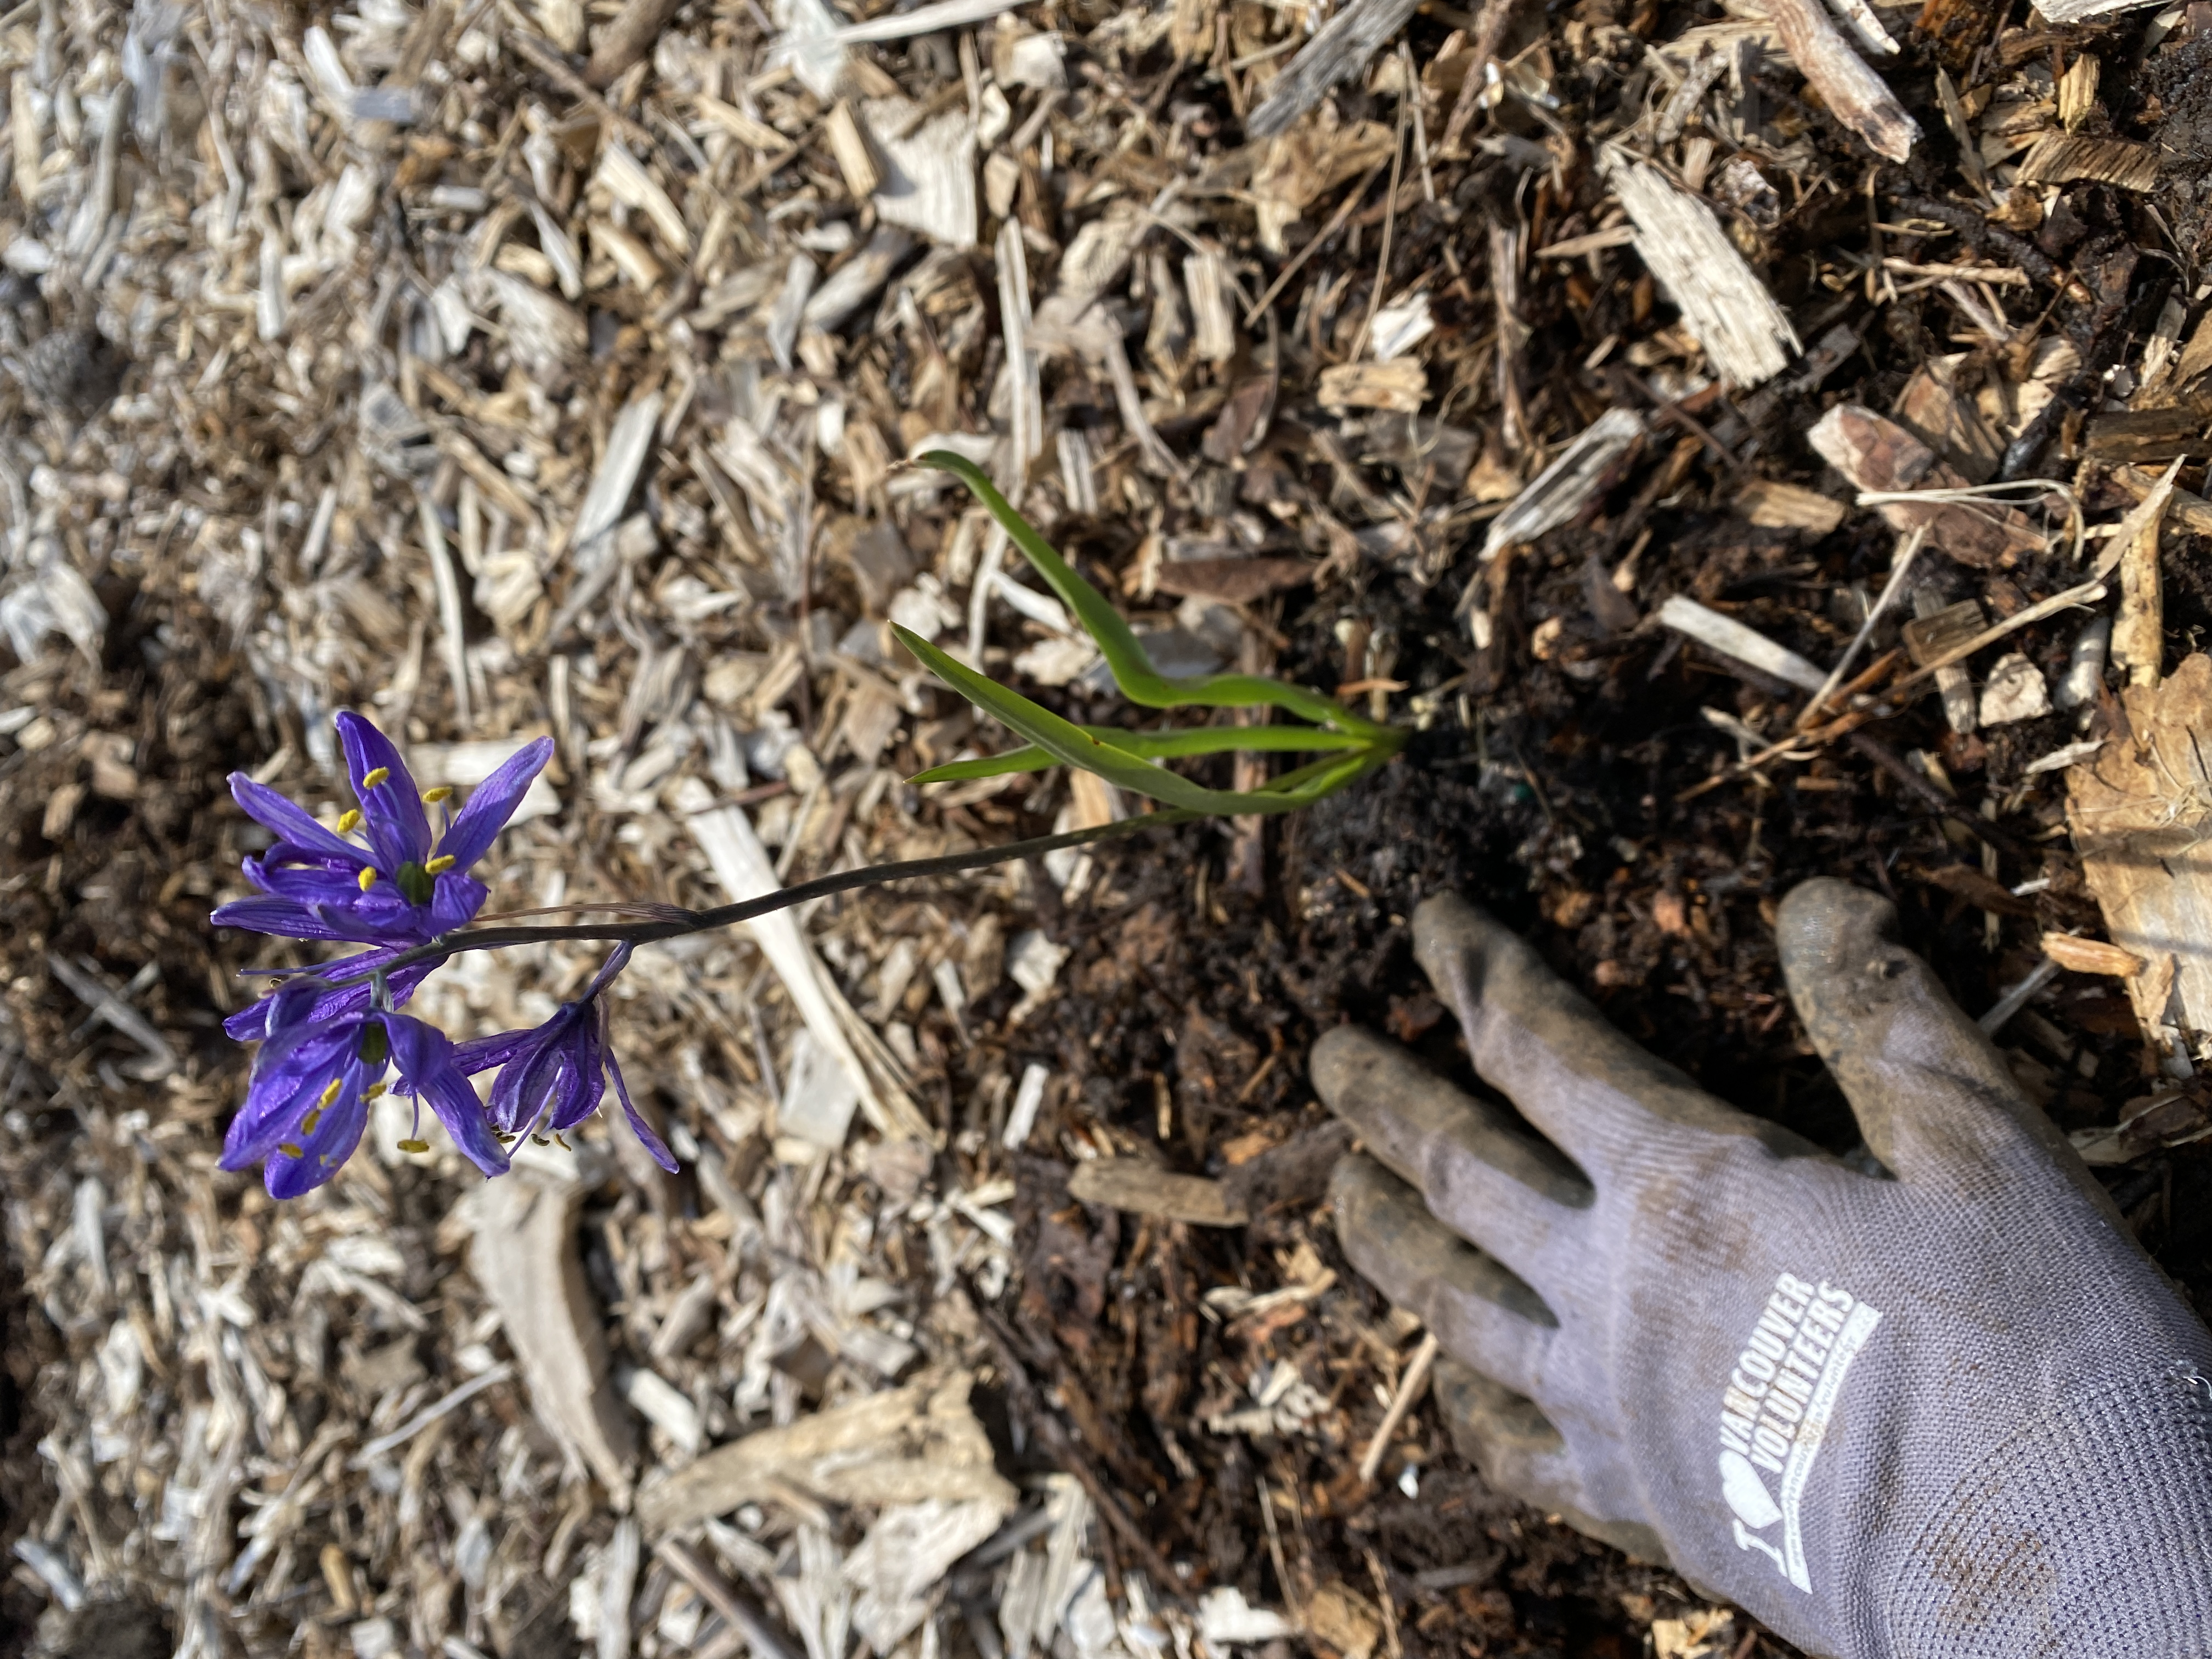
[(1931, 1093)]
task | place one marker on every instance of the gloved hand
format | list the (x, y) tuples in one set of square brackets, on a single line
[(1954, 1413)]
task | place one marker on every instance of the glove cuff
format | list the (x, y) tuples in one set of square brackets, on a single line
[(2085, 1532)]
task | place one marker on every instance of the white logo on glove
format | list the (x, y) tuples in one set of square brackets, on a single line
[(1779, 1399)]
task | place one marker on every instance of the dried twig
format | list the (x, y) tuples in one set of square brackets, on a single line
[(628, 38), (1408, 1395)]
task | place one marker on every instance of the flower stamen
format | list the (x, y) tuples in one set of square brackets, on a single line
[(348, 820), (289, 1150), (432, 797), (330, 1093), (438, 866), (370, 780), (414, 1145), (372, 1092), (366, 879)]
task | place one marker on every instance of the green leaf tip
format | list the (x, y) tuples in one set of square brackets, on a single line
[(1349, 745)]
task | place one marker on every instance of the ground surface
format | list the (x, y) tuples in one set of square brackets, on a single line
[(220, 528)]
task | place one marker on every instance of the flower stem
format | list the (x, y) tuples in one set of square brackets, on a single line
[(678, 923)]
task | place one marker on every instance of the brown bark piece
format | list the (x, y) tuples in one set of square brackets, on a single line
[(2150, 434), (1880, 456), (1932, 410), (2139, 631), (2141, 811), (1773, 505), (2063, 158), (1401, 385), (849, 145), (1232, 581), (524, 1259), (1936, 629), (2092, 956), (2192, 513), (1142, 1187)]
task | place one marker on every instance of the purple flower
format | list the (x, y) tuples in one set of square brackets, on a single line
[(555, 1076), (407, 885), (315, 1076), (252, 1022)]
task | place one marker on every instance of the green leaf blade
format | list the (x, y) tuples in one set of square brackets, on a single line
[(1133, 670)]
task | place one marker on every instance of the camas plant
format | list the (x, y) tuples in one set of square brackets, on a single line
[(383, 876)]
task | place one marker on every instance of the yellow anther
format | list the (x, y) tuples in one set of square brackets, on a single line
[(438, 866), (414, 1145), (502, 1136), (539, 1140), (372, 1092), (367, 880), (348, 821), (562, 1144), (370, 780), (432, 797), (330, 1093), (307, 1123), (289, 1150)]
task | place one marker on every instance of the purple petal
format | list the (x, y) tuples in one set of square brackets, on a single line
[(392, 812), (455, 898), (323, 1153), (281, 1094), (583, 1081), (536, 1080), (483, 1052), (334, 1002), (616, 961), (285, 917), (339, 889), (289, 821), (425, 1061), (646, 1137), (493, 803)]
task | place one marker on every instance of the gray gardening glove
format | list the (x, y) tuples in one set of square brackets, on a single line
[(1957, 1413)]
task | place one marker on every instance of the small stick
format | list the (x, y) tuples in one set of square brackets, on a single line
[(1383, 1599), (1389, 224), (742, 1611), (1298, 259), (1409, 1393), (1489, 30), (1891, 589), (1893, 763), (548, 63), (430, 1414), (1275, 1552), (636, 26), (2003, 276)]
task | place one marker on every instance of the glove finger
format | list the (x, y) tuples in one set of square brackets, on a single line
[(1477, 1310), (1597, 1095), (1501, 1188), (1930, 1091), (1520, 1454)]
